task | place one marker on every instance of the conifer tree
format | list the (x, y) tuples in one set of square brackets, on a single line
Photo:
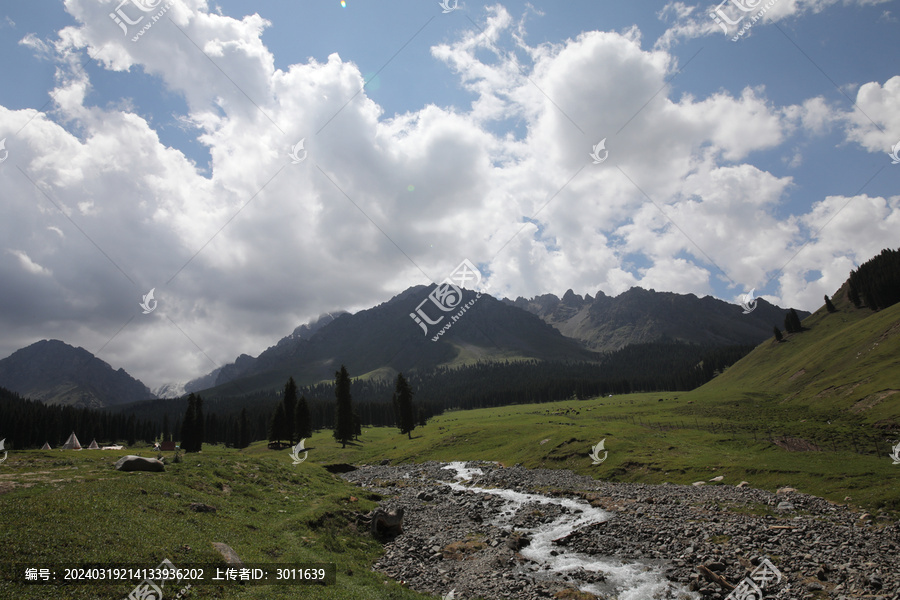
[(192, 425), (290, 404), (276, 427), (344, 426), (403, 407), (243, 430), (828, 305), (199, 430), (778, 336), (302, 423)]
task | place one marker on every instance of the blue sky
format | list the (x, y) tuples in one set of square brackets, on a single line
[(163, 161)]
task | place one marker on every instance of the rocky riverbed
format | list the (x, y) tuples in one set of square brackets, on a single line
[(485, 531)]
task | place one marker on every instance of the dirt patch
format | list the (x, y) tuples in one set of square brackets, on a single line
[(842, 390), (797, 374), (792, 444), (871, 401)]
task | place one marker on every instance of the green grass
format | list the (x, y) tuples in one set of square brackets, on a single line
[(72, 506), (77, 509)]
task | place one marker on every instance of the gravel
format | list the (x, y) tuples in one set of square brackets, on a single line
[(458, 540)]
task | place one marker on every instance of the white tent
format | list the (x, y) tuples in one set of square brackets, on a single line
[(72, 443), (93, 446), (46, 446)]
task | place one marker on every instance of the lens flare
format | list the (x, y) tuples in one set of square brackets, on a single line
[(343, 3)]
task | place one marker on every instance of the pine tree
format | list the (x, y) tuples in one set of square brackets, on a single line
[(795, 321), (243, 439), (199, 431), (276, 428), (301, 419), (404, 414), (853, 292), (828, 305), (344, 427), (187, 425), (778, 336), (290, 404)]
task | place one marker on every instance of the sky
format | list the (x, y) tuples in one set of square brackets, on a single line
[(258, 164)]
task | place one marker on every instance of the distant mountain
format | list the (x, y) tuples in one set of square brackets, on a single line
[(57, 373), (383, 340), (169, 390), (638, 316)]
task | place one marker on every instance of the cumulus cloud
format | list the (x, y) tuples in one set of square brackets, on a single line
[(731, 16), (101, 210)]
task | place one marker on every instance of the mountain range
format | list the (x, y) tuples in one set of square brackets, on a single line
[(605, 323), (57, 373), (386, 339)]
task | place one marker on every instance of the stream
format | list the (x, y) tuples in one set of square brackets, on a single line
[(623, 581)]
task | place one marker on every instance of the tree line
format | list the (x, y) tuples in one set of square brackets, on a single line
[(876, 283), (235, 421)]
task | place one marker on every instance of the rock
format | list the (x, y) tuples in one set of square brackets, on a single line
[(786, 490), (200, 507), (230, 556), (682, 528), (386, 523), (785, 506), (139, 463), (719, 478), (743, 484), (385, 462), (340, 468), (698, 483)]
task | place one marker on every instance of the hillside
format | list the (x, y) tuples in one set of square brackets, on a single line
[(844, 368), (605, 323), (57, 373), (384, 340)]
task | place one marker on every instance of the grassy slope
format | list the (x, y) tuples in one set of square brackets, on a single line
[(843, 369), (79, 509)]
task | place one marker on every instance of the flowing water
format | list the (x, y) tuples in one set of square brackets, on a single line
[(624, 581)]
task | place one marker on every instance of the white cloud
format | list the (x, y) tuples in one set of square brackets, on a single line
[(695, 21), (243, 254), (28, 264)]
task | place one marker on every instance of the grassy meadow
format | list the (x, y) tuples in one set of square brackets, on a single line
[(828, 396)]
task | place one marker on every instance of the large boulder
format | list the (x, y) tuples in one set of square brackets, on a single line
[(385, 524), (139, 463)]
